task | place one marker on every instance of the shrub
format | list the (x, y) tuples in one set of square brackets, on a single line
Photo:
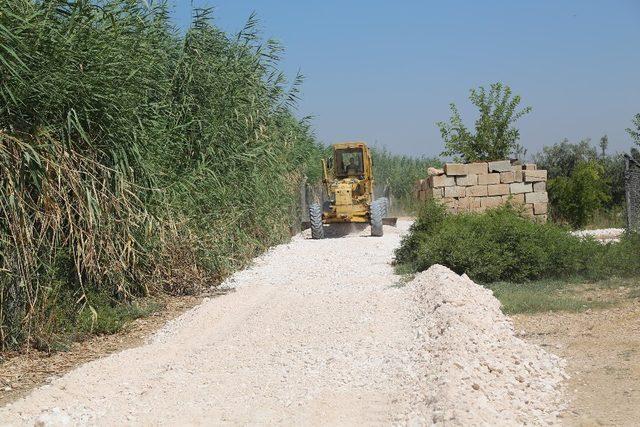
[(576, 198), (500, 245)]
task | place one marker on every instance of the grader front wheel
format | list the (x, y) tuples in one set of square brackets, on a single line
[(315, 218), (378, 208)]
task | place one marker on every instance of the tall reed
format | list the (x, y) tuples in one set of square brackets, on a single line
[(133, 157)]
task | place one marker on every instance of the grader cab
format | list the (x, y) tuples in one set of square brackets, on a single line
[(348, 191)]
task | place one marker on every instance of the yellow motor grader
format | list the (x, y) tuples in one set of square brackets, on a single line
[(348, 191)]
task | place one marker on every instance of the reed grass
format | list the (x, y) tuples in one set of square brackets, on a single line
[(134, 158)]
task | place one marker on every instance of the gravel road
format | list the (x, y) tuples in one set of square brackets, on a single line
[(315, 333), (319, 333)]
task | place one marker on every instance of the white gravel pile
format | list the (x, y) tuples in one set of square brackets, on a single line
[(477, 372), (603, 235)]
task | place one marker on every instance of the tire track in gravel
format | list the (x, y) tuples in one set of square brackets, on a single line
[(315, 333)]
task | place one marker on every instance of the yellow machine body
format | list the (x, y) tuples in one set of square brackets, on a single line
[(348, 183)]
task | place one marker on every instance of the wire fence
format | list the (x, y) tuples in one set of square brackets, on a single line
[(632, 192)]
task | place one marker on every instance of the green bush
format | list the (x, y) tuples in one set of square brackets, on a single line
[(575, 199), (501, 245)]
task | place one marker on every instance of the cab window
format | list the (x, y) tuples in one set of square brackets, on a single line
[(349, 162)]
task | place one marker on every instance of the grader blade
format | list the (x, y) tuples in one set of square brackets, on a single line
[(389, 221)]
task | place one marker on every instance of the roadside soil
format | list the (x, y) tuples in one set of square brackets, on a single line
[(602, 350)]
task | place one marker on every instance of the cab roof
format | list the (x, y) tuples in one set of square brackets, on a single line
[(350, 144)]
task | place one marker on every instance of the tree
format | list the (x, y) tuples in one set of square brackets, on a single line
[(604, 144), (635, 133), (495, 137), (561, 159), (577, 197)]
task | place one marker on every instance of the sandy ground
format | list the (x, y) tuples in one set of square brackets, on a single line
[(602, 349), (318, 333)]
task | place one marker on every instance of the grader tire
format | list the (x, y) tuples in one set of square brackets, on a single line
[(377, 213), (315, 218), (385, 202)]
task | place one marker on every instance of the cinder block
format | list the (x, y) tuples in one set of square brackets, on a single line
[(515, 198), (442, 181), (539, 187), (454, 191), (464, 204), (529, 167), (536, 198), (491, 202), (507, 177), (450, 204), (527, 210), (488, 179), (455, 169), (535, 175), (448, 200), (475, 203), (477, 191), (497, 189), (540, 208), (518, 176), (437, 193), (467, 180), (478, 168), (516, 168), (520, 187), (434, 171), (500, 166)]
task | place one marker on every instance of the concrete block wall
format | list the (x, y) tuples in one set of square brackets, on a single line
[(475, 187)]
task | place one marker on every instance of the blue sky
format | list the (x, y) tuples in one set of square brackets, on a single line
[(385, 72)]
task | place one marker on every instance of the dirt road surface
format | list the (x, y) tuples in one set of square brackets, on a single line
[(319, 333)]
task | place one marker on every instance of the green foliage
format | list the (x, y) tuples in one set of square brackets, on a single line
[(500, 245), (132, 156), (400, 173), (495, 137), (541, 296), (576, 198), (634, 132), (561, 159), (604, 144)]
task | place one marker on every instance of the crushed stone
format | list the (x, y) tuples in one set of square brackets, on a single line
[(475, 370)]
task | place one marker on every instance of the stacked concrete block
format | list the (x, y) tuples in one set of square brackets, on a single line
[(475, 187)]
